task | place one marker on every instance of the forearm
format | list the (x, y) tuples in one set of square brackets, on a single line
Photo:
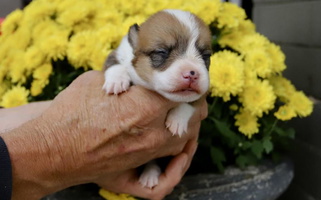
[(35, 161), (13, 117)]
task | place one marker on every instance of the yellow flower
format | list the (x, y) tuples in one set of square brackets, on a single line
[(207, 10), (247, 123), (233, 37), (37, 86), (282, 87), (258, 98), (15, 64), (259, 62), (285, 112), (226, 74), (43, 72), (11, 23), (16, 96), (55, 46), (79, 16), (230, 16), (113, 196), (302, 105), (277, 57), (33, 57), (40, 10), (79, 49), (4, 86)]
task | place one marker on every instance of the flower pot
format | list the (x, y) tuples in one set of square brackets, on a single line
[(264, 182)]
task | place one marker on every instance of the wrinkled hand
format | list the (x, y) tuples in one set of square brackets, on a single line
[(87, 136)]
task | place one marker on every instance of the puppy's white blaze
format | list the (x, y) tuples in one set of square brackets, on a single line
[(186, 19)]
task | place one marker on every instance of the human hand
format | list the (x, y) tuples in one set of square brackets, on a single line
[(127, 181), (85, 135)]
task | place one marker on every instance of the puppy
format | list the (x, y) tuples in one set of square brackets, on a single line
[(170, 54)]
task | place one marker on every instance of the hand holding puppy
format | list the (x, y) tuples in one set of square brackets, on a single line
[(87, 136)]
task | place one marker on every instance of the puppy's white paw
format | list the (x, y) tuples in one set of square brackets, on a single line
[(117, 80), (149, 177), (178, 118)]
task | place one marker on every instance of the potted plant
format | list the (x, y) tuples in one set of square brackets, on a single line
[(49, 43)]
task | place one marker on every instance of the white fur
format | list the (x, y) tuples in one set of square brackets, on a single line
[(177, 118), (118, 78), (149, 177), (166, 81)]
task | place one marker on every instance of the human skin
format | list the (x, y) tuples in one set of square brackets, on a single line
[(85, 135)]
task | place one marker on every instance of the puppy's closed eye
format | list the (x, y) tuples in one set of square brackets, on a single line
[(159, 56)]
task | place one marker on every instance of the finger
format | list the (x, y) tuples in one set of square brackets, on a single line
[(201, 109), (156, 101), (175, 171)]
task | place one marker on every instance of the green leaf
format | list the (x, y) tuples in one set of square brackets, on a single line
[(218, 157), (257, 148), (245, 160), (267, 145), (224, 129)]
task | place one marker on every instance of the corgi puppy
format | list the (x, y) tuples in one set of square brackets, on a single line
[(170, 54)]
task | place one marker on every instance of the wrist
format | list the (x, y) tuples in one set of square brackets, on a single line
[(34, 161)]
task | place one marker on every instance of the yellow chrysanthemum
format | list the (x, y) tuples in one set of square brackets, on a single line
[(282, 87), (113, 196), (207, 10), (40, 10), (55, 46), (230, 16), (16, 96), (4, 86), (251, 42), (277, 57), (43, 72), (37, 86), (80, 48), (259, 62), (33, 57), (247, 123), (11, 23), (233, 37), (302, 105), (285, 113), (226, 74), (79, 16), (258, 98), (17, 70)]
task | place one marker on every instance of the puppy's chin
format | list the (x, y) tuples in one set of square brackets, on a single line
[(181, 96)]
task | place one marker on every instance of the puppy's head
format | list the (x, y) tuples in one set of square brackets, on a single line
[(172, 52)]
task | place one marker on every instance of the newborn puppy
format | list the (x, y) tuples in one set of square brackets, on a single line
[(170, 54)]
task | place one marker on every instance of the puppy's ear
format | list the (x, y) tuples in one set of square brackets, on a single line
[(133, 35)]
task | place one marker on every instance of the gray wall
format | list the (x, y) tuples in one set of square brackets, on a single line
[(6, 6), (296, 26)]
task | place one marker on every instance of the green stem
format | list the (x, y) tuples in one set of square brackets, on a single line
[(212, 106), (273, 126)]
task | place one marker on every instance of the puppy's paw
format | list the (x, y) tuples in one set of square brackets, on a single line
[(178, 118), (149, 177), (176, 125), (117, 80)]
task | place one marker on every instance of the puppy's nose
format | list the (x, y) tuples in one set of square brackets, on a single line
[(190, 75)]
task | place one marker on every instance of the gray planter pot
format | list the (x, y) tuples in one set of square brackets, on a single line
[(264, 182)]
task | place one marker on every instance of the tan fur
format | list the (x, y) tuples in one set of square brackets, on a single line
[(160, 30)]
